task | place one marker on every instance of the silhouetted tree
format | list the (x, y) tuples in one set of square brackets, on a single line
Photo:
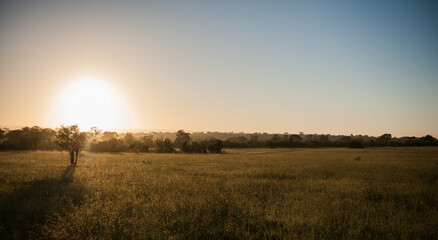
[(129, 141), (109, 135), (147, 143), (274, 141), (254, 141), (384, 140), (182, 141), (2, 134), (294, 140), (355, 143), (344, 141), (48, 139), (215, 146), (111, 145), (69, 138), (164, 146), (198, 147), (35, 136), (95, 132), (428, 140), (237, 142), (186, 147), (323, 141), (17, 139)]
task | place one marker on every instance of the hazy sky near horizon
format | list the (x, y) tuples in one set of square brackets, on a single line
[(338, 67)]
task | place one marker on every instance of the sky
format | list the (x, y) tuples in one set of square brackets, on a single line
[(328, 67)]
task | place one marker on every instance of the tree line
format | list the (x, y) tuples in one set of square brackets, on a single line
[(95, 140), (112, 142), (70, 139), (315, 141)]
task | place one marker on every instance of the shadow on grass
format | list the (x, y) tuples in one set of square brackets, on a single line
[(25, 210)]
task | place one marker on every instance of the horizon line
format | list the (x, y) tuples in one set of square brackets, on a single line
[(158, 130)]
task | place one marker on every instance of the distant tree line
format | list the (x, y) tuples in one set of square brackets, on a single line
[(111, 142), (37, 138), (259, 139), (70, 139), (34, 138), (315, 141)]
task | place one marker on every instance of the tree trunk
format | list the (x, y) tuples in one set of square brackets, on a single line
[(77, 154), (72, 158)]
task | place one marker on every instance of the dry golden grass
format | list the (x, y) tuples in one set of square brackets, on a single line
[(375, 193)]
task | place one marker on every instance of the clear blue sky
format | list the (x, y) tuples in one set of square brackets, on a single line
[(339, 67)]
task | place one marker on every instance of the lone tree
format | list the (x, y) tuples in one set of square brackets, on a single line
[(69, 138)]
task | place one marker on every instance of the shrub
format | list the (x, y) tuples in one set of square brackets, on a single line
[(356, 144)]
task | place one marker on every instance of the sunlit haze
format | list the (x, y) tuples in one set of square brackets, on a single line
[(89, 101), (337, 67)]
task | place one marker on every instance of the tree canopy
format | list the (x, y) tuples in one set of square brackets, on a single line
[(70, 139)]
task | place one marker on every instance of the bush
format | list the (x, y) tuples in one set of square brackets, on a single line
[(356, 144), (164, 146), (215, 146)]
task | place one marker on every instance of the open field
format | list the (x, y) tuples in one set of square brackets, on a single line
[(243, 194)]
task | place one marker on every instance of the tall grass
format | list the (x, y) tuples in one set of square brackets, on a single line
[(243, 194)]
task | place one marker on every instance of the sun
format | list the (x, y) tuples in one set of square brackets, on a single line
[(89, 101)]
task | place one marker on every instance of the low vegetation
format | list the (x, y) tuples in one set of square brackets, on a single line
[(95, 140), (373, 193)]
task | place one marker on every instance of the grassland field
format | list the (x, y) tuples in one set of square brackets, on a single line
[(333, 193)]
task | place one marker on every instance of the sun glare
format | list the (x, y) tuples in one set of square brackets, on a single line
[(89, 102)]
